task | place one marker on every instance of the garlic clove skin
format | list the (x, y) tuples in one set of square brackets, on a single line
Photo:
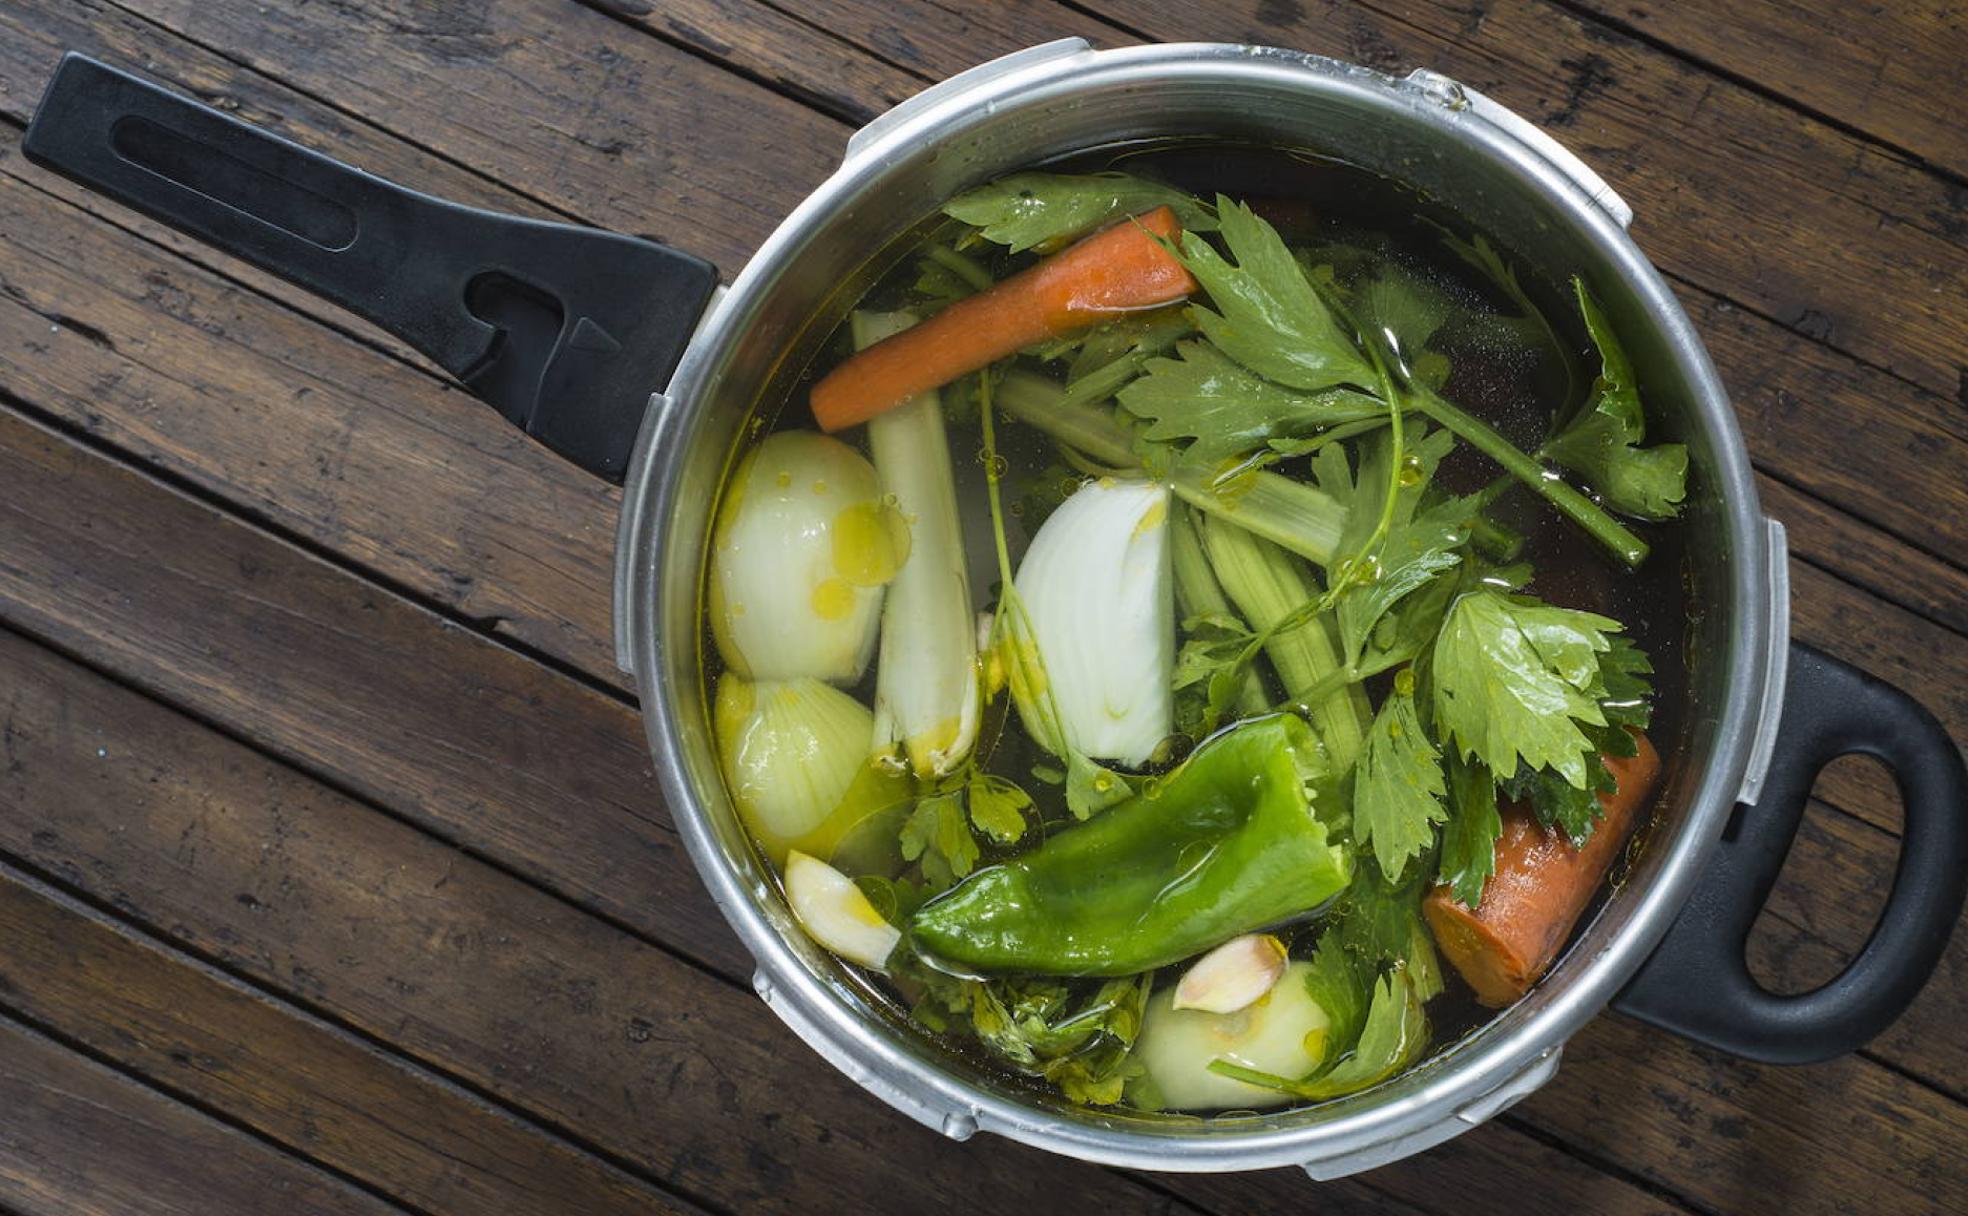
[(1231, 976), (835, 912)]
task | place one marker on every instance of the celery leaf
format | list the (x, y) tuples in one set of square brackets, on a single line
[(1515, 682), (1470, 835), (1267, 315), (1226, 410), (1045, 210), (1602, 443), (1397, 794)]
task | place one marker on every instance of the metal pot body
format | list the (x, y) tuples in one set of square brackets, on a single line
[(1506, 178)]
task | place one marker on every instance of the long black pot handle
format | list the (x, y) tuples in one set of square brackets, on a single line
[(565, 330), (1698, 984)]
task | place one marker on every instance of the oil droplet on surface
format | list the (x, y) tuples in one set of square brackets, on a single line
[(871, 541), (833, 599)]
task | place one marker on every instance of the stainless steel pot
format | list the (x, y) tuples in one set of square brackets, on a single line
[(560, 350)]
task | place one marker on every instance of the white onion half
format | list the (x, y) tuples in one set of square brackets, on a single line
[(796, 763), (804, 545), (1098, 593)]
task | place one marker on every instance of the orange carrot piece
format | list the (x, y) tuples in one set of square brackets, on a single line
[(1117, 270), (1540, 887)]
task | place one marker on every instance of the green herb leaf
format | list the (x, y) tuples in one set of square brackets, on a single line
[(1419, 546), (1046, 210), (1397, 796), (1091, 787), (1515, 680), (997, 806), (937, 834), (1267, 316), (1395, 1032), (1213, 647), (1557, 803), (1602, 443), (1623, 693), (1076, 1035), (1228, 411), (1342, 986), (1469, 838)]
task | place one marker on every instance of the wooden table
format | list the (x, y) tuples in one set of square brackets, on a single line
[(332, 876)]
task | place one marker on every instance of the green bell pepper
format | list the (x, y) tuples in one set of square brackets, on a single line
[(1230, 842)]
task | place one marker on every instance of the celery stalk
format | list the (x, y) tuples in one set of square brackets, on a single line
[(927, 703), (1197, 594), (1268, 584), (1291, 513)]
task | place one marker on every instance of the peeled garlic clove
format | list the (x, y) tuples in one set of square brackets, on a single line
[(1231, 976), (835, 912)]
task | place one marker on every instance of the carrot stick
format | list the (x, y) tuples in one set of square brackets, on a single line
[(1540, 887), (1120, 269)]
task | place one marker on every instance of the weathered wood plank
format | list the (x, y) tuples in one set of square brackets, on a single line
[(1867, 442), (79, 1140), (548, 95), (461, 965), (302, 427), (1882, 68), (1825, 232), (289, 1077), (1738, 1137), (798, 51), (1877, 561)]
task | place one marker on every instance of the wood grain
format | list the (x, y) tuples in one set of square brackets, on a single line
[(1826, 233), (1886, 71), (291, 1078), (399, 936), (79, 1140)]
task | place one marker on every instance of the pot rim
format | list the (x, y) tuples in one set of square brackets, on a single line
[(1448, 1093)]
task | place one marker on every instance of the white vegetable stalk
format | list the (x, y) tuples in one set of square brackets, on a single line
[(835, 912), (927, 707), (1284, 1035), (795, 761), (1099, 601), (803, 547)]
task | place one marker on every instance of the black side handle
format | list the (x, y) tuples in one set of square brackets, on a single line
[(565, 330), (1697, 984)]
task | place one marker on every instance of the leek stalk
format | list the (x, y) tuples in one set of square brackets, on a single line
[(927, 706), (1197, 593)]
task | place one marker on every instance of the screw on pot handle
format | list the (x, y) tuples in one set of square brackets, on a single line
[(1697, 984), (565, 330)]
